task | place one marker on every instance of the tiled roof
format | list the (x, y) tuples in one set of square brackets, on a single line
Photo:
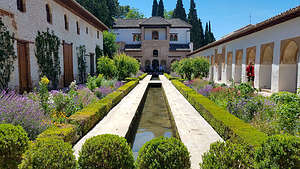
[(283, 17), (153, 21)]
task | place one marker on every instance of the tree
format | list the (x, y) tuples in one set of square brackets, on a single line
[(123, 11), (109, 44), (161, 9), (126, 66), (211, 35), (179, 11), (154, 8), (201, 33), (197, 30), (134, 14), (168, 14), (206, 35)]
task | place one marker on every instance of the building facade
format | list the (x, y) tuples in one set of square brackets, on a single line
[(74, 25), (155, 42), (272, 45)]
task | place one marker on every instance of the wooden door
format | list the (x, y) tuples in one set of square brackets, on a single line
[(92, 63), (68, 63), (24, 66)]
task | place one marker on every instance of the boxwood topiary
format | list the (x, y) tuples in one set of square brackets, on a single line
[(162, 153), (13, 143), (106, 152), (48, 153), (227, 155), (279, 151)]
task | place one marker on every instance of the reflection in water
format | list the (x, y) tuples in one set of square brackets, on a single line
[(154, 120)]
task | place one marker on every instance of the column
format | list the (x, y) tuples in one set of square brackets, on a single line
[(233, 64), (224, 68), (275, 67), (244, 65), (256, 67)]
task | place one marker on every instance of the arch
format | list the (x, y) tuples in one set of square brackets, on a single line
[(155, 65), (155, 35), (238, 66), (155, 53), (290, 52), (265, 70), (48, 14), (251, 55), (267, 55)]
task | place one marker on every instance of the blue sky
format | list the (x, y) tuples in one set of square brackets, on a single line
[(225, 15)]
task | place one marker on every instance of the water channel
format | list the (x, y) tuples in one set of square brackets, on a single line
[(153, 118)]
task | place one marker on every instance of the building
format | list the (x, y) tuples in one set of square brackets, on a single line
[(155, 42), (73, 24), (273, 45)]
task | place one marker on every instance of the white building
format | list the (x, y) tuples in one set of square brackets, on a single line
[(273, 45), (154, 41), (73, 24)]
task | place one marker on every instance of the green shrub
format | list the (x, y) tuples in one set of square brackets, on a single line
[(161, 153), (126, 66), (106, 152), (107, 67), (289, 117), (13, 143), (246, 90), (143, 76), (128, 79), (279, 151), (66, 132), (227, 155), (285, 97), (200, 67), (49, 153)]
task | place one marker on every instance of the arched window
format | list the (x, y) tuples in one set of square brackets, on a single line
[(49, 15), (66, 22), (78, 28), (21, 5), (155, 35), (155, 53)]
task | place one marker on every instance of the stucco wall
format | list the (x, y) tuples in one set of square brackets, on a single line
[(34, 20), (161, 31), (183, 35), (126, 35)]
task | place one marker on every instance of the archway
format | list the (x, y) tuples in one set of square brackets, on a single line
[(229, 66), (147, 65), (265, 68), (163, 65), (238, 66), (155, 53), (155, 65), (288, 66)]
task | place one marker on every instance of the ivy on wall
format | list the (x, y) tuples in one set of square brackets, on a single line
[(47, 53), (99, 54), (7, 55), (81, 56)]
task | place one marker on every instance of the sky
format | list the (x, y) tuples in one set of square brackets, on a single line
[(226, 16)]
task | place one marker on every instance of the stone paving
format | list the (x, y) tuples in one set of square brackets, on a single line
[(118, 120), (194, 131)]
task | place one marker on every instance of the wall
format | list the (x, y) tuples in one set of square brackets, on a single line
[(34, 20), (126, 35), (183, 35), (161, 31)]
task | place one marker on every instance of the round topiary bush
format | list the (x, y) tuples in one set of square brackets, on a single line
[(13, 143), (279, 151), (49, 153), (161, 153), (107, 152), (225, 155)]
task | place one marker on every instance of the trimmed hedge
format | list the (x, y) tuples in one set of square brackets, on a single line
[(142, 76), (106, 151), (82, 121), (226, 124), (13, 143), (173, 78)]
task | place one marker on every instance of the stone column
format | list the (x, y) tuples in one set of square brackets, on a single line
[(233, 64), (256, 67), (143, 34), (275, 67), (244, 65), (224, 67)]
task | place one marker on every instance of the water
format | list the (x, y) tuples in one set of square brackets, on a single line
[(154, 120)]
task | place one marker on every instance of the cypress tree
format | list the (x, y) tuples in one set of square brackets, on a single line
[(197, 30), (154, 8), (161, 9), (211, 35), (202, 40), (206, 35), (179, 11)]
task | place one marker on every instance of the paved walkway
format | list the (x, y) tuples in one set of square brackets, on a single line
[(194, 131), (118, 120)]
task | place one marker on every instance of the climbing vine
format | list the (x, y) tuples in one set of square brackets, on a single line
[(81, 56), (47, 54), (7, 55), (99, 54)]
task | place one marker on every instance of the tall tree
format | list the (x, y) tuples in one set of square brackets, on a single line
[(134, 14), (123, 11), (197, 30), (206, 35), (168, 14), (201, 33), (211, 35), (154, 8), (179, 11), (161, 9)]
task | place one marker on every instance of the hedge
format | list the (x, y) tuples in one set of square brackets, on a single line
[(173, 78), (84, 120), (226, 124), (142, 76)]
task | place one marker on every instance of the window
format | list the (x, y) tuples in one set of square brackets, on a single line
[(66, 22), (155, 35), (49, 15), (136, 37), (173, 37), (98, 35), (87, 30), (155, 53), (78, 28), (21, 5)]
